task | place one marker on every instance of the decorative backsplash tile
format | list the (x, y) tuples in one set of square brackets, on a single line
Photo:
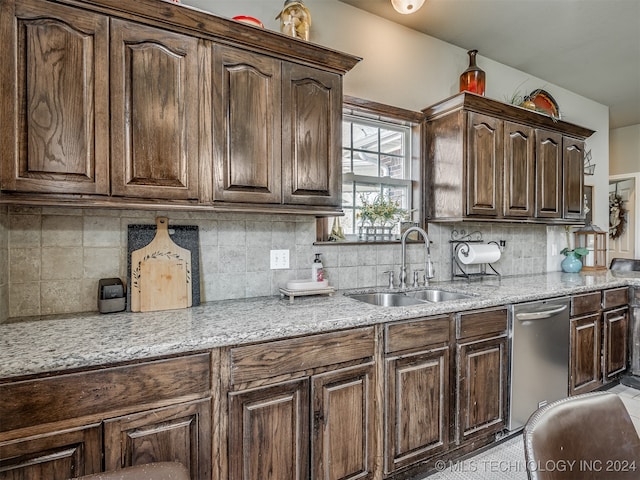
[(52, 258)]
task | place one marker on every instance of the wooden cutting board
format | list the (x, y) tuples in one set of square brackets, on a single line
[(160, 273)]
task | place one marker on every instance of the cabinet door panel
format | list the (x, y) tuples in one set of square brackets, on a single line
[(342, 424), (311, 132), (585, 354), (573, 178), (519, 170), (269, 431), (247, 127), (55, 456), (616, 327), (484, 165), (417, 407), (179, 433), (55, 127), (154, 112), (549, 174), (482, 385)]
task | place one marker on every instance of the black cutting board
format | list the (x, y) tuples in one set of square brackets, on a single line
[(185, 236)]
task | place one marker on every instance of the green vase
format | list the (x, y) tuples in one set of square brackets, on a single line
[(571, 263)]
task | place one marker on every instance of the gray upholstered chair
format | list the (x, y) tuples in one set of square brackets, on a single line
[(151, 471), (586, 437)]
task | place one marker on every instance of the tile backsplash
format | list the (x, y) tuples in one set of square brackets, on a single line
[(52, 258)]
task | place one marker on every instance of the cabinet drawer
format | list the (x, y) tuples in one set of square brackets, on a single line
[(33, 402), (483, 323), (616, 297), (266, 360), (587, 303), (416, 334)]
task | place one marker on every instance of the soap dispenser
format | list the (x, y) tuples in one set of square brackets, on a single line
[(317, 271)]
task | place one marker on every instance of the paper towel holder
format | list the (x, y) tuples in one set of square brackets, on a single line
[(460, 241)]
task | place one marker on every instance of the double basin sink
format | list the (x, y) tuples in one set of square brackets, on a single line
[(405, 299)]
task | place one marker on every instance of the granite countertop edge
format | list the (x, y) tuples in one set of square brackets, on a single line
[(75, 341)]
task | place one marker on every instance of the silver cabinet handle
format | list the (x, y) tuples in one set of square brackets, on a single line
[(540, 315)]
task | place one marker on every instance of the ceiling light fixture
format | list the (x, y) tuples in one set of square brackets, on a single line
[(407, 6)]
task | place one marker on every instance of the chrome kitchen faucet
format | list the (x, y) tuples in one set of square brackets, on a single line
[(428, 267)]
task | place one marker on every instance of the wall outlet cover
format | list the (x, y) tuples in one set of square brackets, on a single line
[(279, 259)]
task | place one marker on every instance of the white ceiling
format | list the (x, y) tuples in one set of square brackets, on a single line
[(590, 47)]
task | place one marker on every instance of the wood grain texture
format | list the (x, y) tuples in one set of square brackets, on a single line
[(312, 136), (254, 362), (482, 388), (247, 127), (481, 323), (54, 456), (585, 303), (519, 170), (160, 273), (154, 110), (416, 334), (585, 362), (46, 400), (269, 432), (573, 178), (616, 344), (55, 133), (342, 424), (615, 297), (179, 433), (548, 174), (484, 165), (417, 407)]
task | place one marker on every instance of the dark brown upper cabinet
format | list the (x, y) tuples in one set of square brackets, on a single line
[(149, 104), (55, 102), (154, 112), (487, 160)]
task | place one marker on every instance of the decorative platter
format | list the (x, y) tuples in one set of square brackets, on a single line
[(545, 103)]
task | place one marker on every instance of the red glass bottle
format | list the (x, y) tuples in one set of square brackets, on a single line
[(473, 78)]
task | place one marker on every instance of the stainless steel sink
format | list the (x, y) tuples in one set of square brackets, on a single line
[(387, 299), (436, 296)]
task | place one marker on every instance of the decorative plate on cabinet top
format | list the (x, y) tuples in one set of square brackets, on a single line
[(545, 103), (248, 20)]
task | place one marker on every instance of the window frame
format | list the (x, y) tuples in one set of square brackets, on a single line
[(364, 110)]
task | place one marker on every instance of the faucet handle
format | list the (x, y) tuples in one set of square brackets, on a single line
[(416, 278), (391, 279)]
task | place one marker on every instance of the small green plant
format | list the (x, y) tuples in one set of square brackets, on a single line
[(381, 210)]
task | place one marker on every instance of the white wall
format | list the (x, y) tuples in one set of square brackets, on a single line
[(624, 150), (407, 69)]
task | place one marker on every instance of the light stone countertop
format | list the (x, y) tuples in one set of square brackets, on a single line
[(64, 342)]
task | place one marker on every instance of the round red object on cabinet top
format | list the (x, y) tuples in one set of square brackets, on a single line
[(249, 20)]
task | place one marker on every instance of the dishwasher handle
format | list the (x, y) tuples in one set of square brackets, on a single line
[(542, 314)]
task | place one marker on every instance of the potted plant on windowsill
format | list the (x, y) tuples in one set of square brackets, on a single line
[(572, 262), (381, 214)]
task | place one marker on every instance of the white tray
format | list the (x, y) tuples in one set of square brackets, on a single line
[(284, 292)]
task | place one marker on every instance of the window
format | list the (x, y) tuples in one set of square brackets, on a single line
[(380, 160)]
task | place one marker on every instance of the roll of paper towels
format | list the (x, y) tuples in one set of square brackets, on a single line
[(481, 253)]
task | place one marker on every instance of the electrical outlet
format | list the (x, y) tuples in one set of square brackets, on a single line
[(279, 259)]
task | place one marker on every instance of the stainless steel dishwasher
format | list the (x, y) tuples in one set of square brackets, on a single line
[(539, 357)]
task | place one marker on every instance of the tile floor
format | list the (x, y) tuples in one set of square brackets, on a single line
[(506, 460)]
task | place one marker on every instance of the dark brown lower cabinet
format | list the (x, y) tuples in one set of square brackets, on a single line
[(313, 427), (57, 427), (178, 433), (585, 372), (417, 409), (482, 361), (615, 332), (417, 391), (55, 456)]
